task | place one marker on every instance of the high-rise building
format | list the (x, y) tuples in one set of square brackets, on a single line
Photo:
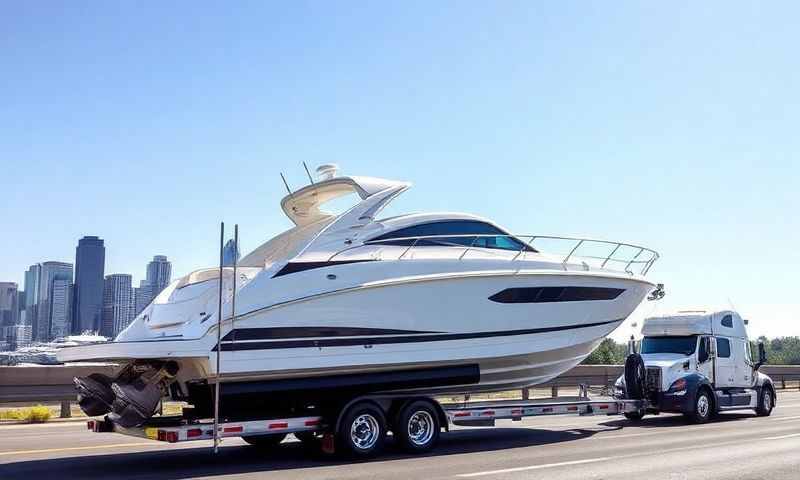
[(20, 336), (87, 311), (9, 308), (61, 308), (54, 301), (142, 295), (117, 296), (32, 278), (159, 272), (229, 253)]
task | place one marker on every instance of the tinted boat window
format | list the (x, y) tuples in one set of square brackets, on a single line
[(455, 227), (727, 321), (682, 345)]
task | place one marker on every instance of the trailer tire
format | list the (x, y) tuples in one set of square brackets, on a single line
[(362, 430), (703, 407), (416, 426), (265, 441), (766, 402)]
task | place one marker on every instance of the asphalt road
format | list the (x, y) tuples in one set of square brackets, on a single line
[(735, 446)]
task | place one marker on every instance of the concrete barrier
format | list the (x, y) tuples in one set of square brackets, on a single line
[(53, 383)]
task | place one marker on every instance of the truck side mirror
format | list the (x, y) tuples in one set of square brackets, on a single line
[(762, 355)]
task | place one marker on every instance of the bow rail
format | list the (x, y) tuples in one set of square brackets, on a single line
[(588, 251)]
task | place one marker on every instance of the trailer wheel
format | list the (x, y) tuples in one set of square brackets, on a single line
[(362, 431), (703, 407), (265, 441), (766, 403), (417, 427)]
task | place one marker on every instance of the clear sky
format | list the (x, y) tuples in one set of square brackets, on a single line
[(672, 125)]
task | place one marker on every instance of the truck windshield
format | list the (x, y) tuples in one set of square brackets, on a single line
[(682, 345)]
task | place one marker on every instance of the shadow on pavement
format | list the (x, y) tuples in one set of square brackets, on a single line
[(670, 420), (232, 460)]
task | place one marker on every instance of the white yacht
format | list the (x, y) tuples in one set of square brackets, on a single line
[(445, 302)]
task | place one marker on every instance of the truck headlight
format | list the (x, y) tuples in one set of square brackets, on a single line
[(678, 386)]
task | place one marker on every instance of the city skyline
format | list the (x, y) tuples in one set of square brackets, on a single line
[(57, 299)]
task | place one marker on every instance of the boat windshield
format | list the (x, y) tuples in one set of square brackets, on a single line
[(684, 345)]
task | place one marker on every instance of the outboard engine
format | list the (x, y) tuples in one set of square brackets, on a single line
[(95, 396), (132, 398)]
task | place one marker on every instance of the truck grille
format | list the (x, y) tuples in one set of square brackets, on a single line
[(653, 379)]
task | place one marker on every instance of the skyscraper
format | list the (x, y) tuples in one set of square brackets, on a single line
[(117, 310), (142, 296), (229, 253), (87, 312), (159, 272), (55, 285), (32, 278), (61, 307), (9, 309)]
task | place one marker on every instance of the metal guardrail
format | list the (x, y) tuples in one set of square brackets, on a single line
[(54, 383), (638, 256)]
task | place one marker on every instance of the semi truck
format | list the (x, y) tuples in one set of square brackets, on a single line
[(697, 363)]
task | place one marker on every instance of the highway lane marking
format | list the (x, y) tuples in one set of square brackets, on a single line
[(776, 419), (620, 457), (533, 467), (71, 449), (782, 436)]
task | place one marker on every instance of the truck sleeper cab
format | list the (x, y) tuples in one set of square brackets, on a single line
[(698, 364)]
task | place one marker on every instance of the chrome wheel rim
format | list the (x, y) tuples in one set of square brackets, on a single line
[(702, 406), (364, 431), (767, 401), (420, 428)]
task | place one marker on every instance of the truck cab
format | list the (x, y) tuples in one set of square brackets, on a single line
[(697, 363)]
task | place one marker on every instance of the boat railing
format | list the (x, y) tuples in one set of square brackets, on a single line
[(603, 254)]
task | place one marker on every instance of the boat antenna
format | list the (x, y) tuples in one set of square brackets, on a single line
[(287, 186), (218, 384), (308, 173)]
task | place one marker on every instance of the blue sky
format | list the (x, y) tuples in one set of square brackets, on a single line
[(674, 126)]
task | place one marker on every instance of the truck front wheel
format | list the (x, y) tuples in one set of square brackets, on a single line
[(766, 403), (703, 407)]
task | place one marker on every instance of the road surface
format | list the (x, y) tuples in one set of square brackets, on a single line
[(735, 446)]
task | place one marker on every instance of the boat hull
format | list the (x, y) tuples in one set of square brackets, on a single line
[(514, 340)]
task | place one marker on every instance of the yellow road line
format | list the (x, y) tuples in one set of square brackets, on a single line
[(72, 449)]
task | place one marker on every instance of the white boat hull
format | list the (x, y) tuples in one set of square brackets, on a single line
[(406, 325)]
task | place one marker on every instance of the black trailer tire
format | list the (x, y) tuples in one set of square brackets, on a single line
[(766, 402), (634, 416), (265, 441), (416, 427), (703, 407), (362, 431)]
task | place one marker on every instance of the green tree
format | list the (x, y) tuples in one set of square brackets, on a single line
[(608, 352)]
